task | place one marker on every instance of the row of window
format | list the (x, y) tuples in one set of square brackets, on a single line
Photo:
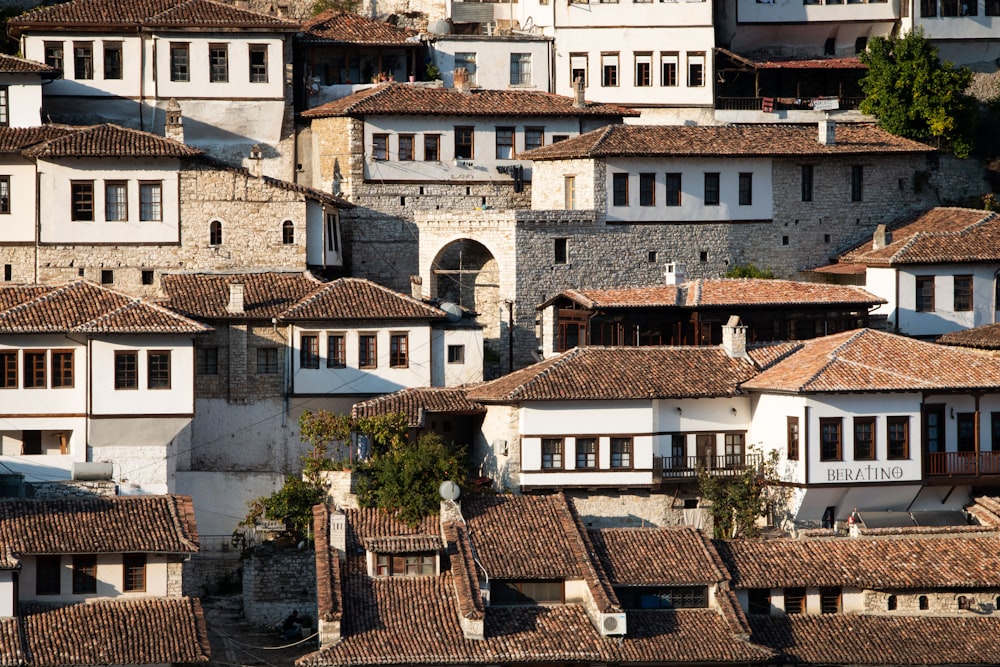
[(336, 350), (831, 438), (961, 294), (206, 361), (759, 600), (54, 369), (520, 67), (643, 72), (82, 204), (48, 574), (586, 453), (953, 8), (405, 565), (672, 189), (464, 142), (808, 173)]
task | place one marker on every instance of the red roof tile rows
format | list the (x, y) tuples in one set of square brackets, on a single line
[(380, 532), (417, 402), (15, 65), (986, 337), (109, 140), (357, 298), (350, 28), (656, 556)]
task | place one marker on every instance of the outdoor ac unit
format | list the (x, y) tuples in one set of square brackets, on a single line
[(613, 624)]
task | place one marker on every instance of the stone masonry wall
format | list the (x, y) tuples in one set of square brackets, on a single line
[(638, 509), (277, 582), (66, 489), (938, 603)]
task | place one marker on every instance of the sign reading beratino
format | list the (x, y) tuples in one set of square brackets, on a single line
[(868, 473)]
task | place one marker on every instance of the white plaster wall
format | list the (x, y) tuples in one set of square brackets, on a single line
[(178, 400), (674, 14), (692, 208), (19, 224), (806, 39), (110, 576), (42, 467), (963, 28), (319, 249), (221, 498), (559, 418), (882, 283), (239, 85), (133, 56), (944, 318), (493, 60), (701, 415), (453, 374), (792, 11), (8, 604), (47, 401), (24, 97), (768, 429), (55, 177), (497, 447)]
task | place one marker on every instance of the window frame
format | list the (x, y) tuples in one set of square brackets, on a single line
[(84, 574), (48, 575), (116, 204), (467, 59), (713, 188), (258, 70), (287, 232), (837, 424), (574, 59), (745, 188), (892, 422), (860, 424), (206, 360), (62, 373), (380, 146), (406, 147), (560, 250), (552, 450), (158, 369), (82, 201), (669, 69), (134, 573), (622, 453), (830, 600), (10, 376), (673, 180), (619, 188), (505, 142), (808, 173), (399, 349), (218, 67), (697, 62), (35, 371), (456, 354), (962, 296), (590, 458), (309, 351), (215, 232), (83, 61), (534, 137), (126, 370), (55, 55), (793, 435), (180, 62), (432, 140), (268, 360), (857, 183), (923, 298), (113, 66), (643, 69), (465, 142), (569, 193), (367, 350), (520, 70), (610, 62), (647, 189), (796, 595), (336, 350), (4, 194)]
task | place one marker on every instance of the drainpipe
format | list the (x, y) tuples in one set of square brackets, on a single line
[(510, 335)]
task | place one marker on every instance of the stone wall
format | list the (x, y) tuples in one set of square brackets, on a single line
[(277, 582), (212, 571), (68, 489), (938, 602), (638, 509)]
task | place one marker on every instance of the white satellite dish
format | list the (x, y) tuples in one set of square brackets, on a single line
[(449, 490)]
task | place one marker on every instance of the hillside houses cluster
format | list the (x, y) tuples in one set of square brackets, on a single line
[(216, 217)]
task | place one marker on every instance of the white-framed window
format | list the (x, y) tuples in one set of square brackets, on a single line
[(578, 67), (643, 70), (520, 69), (468, 61), (668, 69), (609, 70), (696, 70)]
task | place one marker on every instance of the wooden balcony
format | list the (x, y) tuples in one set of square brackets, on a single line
[(687, 467), (963, 464)]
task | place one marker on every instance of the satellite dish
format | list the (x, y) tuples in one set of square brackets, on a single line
[(449, 490), (453, 309)]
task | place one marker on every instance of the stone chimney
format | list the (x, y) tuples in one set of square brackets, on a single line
[(879, 238), (734, 338), (173, 128), (256, 159), (417, 287), (578, 101), (235, 298), (461, 80), (674, 274), (827, 131)]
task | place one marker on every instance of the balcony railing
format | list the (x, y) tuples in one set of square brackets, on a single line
[(671, 467), (963, 463), (757, 103)]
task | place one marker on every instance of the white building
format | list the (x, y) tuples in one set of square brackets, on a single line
[(21, 91), (965, 32)]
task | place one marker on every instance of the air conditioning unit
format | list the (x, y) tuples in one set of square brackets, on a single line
[(613, 624)]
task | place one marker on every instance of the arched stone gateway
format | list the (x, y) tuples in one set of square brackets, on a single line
[(466, 272)]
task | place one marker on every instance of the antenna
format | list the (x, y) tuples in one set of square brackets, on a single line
[(449, 490)]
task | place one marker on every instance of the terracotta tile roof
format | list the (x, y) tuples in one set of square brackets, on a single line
[(860, 639), (986, 510), (765, 355), (672, 141), (85, 307), (417, 402), (265, 295), (986, 337), (16, 139), (465, 576), (145, 631), (110, 140), (15, 65), (350, 28), (773, 62), (868, 360), (952, 235), (889, 564), (360, 299), (650, 556), (139, 524), (12, 649), (722, 292), (401, 99), (8, 559), (621, 373), (377, 531), (135, 15)]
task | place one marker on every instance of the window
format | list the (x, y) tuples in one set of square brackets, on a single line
[(759, 600), (520, 69), (586, 453), (662, 597), (928, 8), (4, 107), (287, 232), (267, 361), (158, 369), (830, 439), (309, 351), (4, 194), (949, 7), (218, 63), (891, 604), (746, 188), (82, 200), (215, 232), (48, 573), (83, 60), (180, 69), (112, 60), (792, 424), (367, 351), (35, 372), (54, 55), (146, 276), (534, 137), (922, 603), (84, 574), (560, 251), (380, 146), (569, 192), (992, 9), (621, 452), (647, 189), (126, 370), (456, 354), (966, 429), (432, 148), (405, 153), (857, 182), (696, 70), (134, 572), (336, 351), (8, 369), (898, 438), (151, 201), (399, 356), (673, 197), (62, 369), (578, 67), (963, 293), (552, 453), (258, 63), (807, 182), (609, 70), (332, 232), (643, 70), (864, 438), (468, 61), (31, 443), (733, 443), (526, 592), (505, 143), (107, 277), (619, 189), (829, 600), (404, 565), (711, 188), (206, 361), (795, 600), (115, 201), (925, 294), (464, 148), (668, 69)]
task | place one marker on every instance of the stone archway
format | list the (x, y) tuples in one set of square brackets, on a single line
[(465, 272)]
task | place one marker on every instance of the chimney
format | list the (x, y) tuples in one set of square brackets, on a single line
[(674, 274), (578, 101), (417, 287), (879, 238), (461, 80), (256, 158), (173, 128), (734, 338), (235, 298), (827, 131), (338, 533)]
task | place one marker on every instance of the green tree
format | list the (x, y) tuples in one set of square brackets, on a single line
[(914, 95), (739, 501), (325, 431), (749, 271), (291, 504)]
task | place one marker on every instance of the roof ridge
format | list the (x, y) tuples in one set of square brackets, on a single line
[(41, 298), (605, 135), (185, 522), (831, 358), (587, 560), (537, 377)]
